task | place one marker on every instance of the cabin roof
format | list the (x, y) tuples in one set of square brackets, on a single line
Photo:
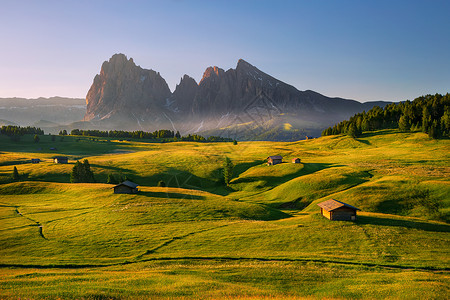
[(333, 204), (275, 157), (128, 184)]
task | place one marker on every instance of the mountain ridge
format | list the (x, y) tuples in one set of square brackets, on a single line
[(124, 94)]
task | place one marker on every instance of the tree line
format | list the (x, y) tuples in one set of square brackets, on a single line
[(11, 130), (139, 134), (430, 114)]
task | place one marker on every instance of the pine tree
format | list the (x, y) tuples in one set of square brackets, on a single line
[(111, 179), (81, 172), (15, 175), (434, 131), (87, 173), (36, 138), (403, 123), (227, 171), (352, 131), (75, 175)]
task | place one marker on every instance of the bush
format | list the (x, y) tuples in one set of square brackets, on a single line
[(161, 183)]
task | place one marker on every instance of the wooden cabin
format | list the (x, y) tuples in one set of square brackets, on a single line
[(273, 160), (338, 211), (126, 187), (35, 160), (296, 160), (60, 159)]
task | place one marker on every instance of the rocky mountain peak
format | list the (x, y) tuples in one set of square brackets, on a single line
[(212, 72), (243, 64), (122, 88)]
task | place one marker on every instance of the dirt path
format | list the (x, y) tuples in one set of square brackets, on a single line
[(38, 224)]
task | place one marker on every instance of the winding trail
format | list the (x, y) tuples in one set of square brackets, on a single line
[(38, 224), (177, 238)]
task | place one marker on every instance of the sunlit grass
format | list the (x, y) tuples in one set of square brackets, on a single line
[(262, 237)]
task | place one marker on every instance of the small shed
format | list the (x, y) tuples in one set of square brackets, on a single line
[(336, 210), (296, 160), (273, 160), (126, 187), (35, 160), (60, 159)]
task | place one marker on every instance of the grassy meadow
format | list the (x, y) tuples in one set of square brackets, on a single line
[(260, 238)]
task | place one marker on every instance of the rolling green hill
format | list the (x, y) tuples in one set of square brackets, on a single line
[(262, 237)]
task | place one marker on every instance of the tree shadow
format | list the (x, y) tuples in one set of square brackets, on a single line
[(363, 220), (364, 142), (378, 132), (171, 195), (242, 167), (272, 181)]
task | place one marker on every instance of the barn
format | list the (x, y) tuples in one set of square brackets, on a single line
[(296, 160), (273, 160), (126, 187), (60, 159), (336, 210)]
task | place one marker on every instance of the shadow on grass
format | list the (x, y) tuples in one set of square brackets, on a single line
[(378, 132), (364, 142), (272, 181), (241, 168), (362, 220), (171, 195)]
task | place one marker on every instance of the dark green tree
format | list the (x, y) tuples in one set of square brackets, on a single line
[(88, 175), (403, 123), (235, 142), (111, 179), (352, 130), (81, 172), (434, 131), (227, 171), (75, 174), (36, 138), (15, 175)]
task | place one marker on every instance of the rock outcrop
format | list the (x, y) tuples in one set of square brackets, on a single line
[(123, 90)]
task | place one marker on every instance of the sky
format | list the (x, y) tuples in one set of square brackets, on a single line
[(364, 50)]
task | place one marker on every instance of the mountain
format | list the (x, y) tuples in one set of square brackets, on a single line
[(244, 103)]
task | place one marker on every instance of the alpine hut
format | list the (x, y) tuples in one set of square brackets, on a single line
[(126, 187), (273, 160), (296, 160), (60, 159), (336, 210)]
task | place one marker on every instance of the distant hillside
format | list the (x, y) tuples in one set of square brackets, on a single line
[(42, 111), (430, 114)]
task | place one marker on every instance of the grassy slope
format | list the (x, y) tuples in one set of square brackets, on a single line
[(399, 180)]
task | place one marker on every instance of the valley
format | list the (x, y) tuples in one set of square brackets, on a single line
[(261, 237)]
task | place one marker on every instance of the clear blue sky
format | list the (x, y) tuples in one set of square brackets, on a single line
[(363, 50)]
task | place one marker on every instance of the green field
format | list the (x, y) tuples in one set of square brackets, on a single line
[(260, 238)]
